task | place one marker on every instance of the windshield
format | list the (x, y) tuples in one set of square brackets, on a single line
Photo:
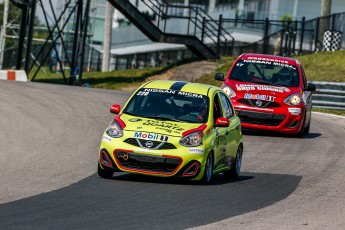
[(169, 104), (265, 72)]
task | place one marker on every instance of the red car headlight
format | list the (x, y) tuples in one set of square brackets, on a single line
[(229, 91), (294, 99)]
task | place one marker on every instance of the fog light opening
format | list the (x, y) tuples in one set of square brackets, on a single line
[(104, 159), (192, 170), (293, 124)]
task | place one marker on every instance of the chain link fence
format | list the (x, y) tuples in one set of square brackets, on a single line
[(288, 38)]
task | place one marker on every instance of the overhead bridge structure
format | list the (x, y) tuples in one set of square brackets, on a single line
[(203, 35), (200, 26)]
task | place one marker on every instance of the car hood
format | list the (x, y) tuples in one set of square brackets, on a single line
[(150, 125)]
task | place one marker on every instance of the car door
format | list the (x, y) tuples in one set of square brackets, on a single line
[(233, 129), (220, 147), (307, 97)]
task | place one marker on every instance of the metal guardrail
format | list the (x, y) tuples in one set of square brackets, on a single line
[(329, 95)]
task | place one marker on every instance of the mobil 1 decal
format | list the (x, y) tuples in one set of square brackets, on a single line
[(150, 136), (259, 97)]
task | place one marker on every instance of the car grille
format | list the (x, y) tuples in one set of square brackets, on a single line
[(154, 144), (260, 118), (265, 104), (142, 162)]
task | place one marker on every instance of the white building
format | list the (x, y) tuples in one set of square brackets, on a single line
[(128, 40), (245, 9)]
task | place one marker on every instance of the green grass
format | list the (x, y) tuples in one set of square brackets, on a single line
[(115, 80), (322, 66), (119, 79), (332, 111), (107, 80), (222, 67)]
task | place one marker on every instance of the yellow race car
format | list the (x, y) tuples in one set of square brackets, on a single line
[(173, 129)]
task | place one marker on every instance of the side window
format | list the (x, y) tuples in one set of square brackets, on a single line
[(227, 108), (216, 108)]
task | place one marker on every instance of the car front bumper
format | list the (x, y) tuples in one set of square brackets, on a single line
[(183, 162), (287, 120)]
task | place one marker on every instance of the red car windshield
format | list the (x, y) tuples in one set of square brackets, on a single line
[(262, 72)]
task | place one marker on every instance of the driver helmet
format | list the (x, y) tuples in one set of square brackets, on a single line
[(284, 75)]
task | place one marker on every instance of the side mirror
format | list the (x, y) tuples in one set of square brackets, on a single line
[(115, 109), (311, 87), (219, 77), (222, 122)]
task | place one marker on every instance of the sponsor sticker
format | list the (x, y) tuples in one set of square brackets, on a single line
[(249, 87), (295, 111), (196, 150), (150, 136), (269, 61), (135, 119), (259, 97), (145, 92), (106, 138), (146, 136), (166, 126)]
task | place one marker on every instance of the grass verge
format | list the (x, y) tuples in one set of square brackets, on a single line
[(332, 111), (323, 66)]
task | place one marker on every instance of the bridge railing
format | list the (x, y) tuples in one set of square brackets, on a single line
[(191, 20)]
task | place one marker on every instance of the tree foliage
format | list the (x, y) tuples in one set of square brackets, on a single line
[(13, 25), (13, 31)]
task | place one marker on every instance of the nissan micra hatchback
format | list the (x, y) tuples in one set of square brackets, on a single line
[(173, 129), (269, 93)]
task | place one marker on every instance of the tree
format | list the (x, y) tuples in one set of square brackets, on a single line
[(13, 30), (14, 17)]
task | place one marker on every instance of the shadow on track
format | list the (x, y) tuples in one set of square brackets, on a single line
[(252, 132), (217, 180), (137, 202)]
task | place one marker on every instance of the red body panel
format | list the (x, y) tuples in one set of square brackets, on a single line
[(262, 106)]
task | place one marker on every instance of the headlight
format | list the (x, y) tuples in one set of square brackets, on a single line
[(114, 129), (230, 92), (294, 99), (192, 139)]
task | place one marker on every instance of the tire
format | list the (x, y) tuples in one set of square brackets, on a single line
[(207, 177), (300, 134), (104, 173), (307, 129), (236, 169)]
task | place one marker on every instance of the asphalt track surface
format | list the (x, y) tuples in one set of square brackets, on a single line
[(49, 139)]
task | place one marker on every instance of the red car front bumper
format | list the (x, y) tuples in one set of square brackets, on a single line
[(283, 120)]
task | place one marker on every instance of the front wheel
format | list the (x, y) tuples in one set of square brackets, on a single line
[(104, 172), (307, 129), (301, 133), (236, 168), (206, 179)]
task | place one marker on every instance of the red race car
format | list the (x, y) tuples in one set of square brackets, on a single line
[(269, 93)]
